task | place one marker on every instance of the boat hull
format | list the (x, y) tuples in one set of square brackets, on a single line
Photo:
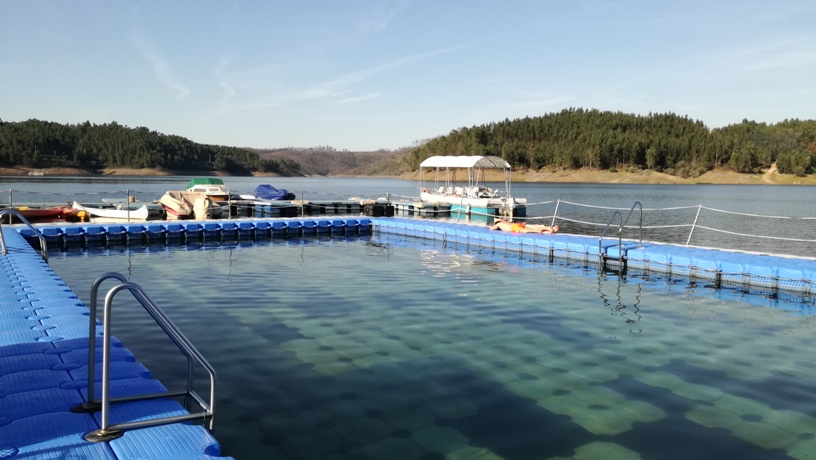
[(484, 208)]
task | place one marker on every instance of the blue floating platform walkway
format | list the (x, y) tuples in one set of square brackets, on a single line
[(43, 373)]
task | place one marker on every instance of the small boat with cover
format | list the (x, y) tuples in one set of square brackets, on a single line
[(266, 192), (213, 187), (469, 195)]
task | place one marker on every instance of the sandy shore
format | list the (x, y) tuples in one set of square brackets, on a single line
[(771, 176)]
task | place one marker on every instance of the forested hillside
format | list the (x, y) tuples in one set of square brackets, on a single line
[(41, 144), (325, 161), (576, 138), (570, 139)]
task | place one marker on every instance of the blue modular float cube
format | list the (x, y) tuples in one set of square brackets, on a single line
[(211, 229), (193, 230), (73, 235), (279, 228), (262, 229), (52, 235), (309, 227), (31, 237), (338, 226), (174, 231), (156, 232), (229, 230), (135, 232), (352, 224), (323, 226), (293, 227), (246, 228), (116, 234), (365, 225), (95, 233)]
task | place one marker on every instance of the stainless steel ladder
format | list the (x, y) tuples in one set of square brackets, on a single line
[(14, 212), (108, 432), (603, 256)]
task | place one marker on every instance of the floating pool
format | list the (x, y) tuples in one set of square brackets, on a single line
[(392, 347)]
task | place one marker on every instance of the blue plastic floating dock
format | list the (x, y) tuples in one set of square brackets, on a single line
[(44, 326), (44, 368)]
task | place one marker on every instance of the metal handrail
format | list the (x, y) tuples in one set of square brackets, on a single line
[(14, 212), (623, 223), (108, 432)]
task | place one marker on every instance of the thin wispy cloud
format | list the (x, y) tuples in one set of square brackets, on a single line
[(365, 97), (377, 19), (52, 34), (162, 69)]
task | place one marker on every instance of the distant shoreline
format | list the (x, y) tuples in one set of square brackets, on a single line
[(591, 176)]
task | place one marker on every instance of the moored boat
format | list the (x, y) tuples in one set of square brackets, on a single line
[(213, 187), (132, 211), (184, 204), (266, 192), (469, 196), (38, 214)]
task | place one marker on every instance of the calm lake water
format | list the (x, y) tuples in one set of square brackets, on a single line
[(777, 200), (388, 347)]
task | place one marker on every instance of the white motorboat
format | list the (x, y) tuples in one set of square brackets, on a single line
[(469, 195)]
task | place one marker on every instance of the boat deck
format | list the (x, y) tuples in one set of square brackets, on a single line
[(43, 340)]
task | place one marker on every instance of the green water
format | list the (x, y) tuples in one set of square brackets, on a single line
[(389, 348)]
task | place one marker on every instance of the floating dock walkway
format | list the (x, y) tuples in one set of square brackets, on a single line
[(45, 326)]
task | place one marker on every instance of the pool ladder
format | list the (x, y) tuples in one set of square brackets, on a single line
[(108, 432), (603, 255), (14, 212)]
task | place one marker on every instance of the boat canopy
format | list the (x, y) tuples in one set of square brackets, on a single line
[(205, 181), (268, 192), (465, 161)]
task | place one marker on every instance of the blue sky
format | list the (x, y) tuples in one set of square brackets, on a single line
[(369, 74)]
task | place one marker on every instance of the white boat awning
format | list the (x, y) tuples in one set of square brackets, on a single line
[(465, 161)]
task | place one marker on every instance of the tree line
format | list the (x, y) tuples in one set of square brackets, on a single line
[(42, 144), (576, 138)]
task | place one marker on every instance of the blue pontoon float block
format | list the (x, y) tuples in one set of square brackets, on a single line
[(73, 235), (211, 229), (323, 226), (293, 227), (762, 275), (309, 227), (52, 436), (338, 226), (52, 235), (262, 229), (49, 400), (118, 370), (175, 231), (279, 228), (364, 225), (27, 362), (246, 228), (30, 236), (797, 275), (229, 230), (15, 336), (80, 355), (116, 234), (95, 233), (352, 225), (122, 387), (36, 379), (156, 232), (193, 230), (180, 441), (135, 232)]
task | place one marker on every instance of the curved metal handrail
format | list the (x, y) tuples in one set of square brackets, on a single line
[(623, 223), (107, 431), (14, 212)]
